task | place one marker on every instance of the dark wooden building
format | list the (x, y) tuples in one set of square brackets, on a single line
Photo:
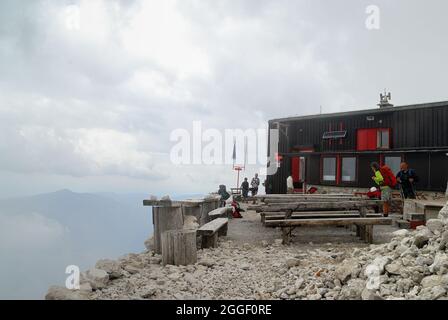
[(337, 149)]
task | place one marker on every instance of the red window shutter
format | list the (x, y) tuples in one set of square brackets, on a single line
[(367, 139), (295, 169)]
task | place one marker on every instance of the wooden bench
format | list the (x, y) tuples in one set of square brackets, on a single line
[(320, 214), (364, 225), (209, 232), (318, 205), (223, 212)]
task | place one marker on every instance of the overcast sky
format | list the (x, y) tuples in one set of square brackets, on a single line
[(91, 90)]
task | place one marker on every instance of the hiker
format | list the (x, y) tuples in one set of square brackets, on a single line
[(254, 184), (236, 210), (386, 180), (290, 185), (224, 195), (407, 178), (245, 188)]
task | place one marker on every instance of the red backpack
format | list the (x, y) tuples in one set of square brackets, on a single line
[(388, 176)]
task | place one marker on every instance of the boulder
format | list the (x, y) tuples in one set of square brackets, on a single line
[(370, 295), (444, 241), (292, 262), (400, 233), (348, 269), (353, 290), (207, 262), (435, 225), (113, 268), (431, 281), (440, 265), (443, 214), (61, 293), (420, 240), (394, 268), (381, 263), (97, 278), (149, 243)]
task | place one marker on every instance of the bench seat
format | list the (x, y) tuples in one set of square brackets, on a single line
[(210, 232)]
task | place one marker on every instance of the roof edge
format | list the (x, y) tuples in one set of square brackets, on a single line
[(364, 111)]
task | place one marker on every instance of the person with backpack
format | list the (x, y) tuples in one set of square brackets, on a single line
[(245, 189), (407, 178), (386, 180), (224, 195)]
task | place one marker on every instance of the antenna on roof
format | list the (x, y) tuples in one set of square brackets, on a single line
[(384, 100)]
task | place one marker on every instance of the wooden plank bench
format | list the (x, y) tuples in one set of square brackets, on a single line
[(209, 232), (364, 225), (318, 205), (313, 199), (321, 216), (281, 215), (223, 212)]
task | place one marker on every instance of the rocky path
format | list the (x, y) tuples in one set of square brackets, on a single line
[(251, 263)]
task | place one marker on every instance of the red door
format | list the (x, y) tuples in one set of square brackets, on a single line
[(295, 169)]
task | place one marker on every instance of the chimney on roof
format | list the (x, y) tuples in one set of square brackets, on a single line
[(384, 100)]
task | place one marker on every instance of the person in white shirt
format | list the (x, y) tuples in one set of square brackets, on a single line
[(290, 185)]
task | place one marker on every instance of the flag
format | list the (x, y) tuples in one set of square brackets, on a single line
[(234, 151)]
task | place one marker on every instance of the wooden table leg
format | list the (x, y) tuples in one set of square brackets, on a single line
[(286, 235)]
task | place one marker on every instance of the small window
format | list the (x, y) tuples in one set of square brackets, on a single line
[(334, 135), (383, 139), (329, 169), (393, 163), (349, 169)]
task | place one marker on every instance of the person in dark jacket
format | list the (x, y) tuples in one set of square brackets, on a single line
[(407, 178), (245, 188), (224, 195)]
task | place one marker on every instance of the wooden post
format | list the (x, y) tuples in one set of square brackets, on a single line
[(369, 234), (179, 247), (286, 235), (164, 219)]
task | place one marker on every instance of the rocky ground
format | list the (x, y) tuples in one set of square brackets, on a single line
[(250, 263)]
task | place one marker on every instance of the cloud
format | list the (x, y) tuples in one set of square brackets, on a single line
[(94, 88), (24, 232)]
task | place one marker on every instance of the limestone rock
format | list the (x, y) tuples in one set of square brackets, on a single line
[(349, 268), (434, 225), (431, 281), (440, 264), (149, 243), (400, 233), (353, 290), (97, 278), (207, 262), (421, 240), (443, 214), (381, 263), (394, 268), (292, 262), (113, 268), (61, 293)]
